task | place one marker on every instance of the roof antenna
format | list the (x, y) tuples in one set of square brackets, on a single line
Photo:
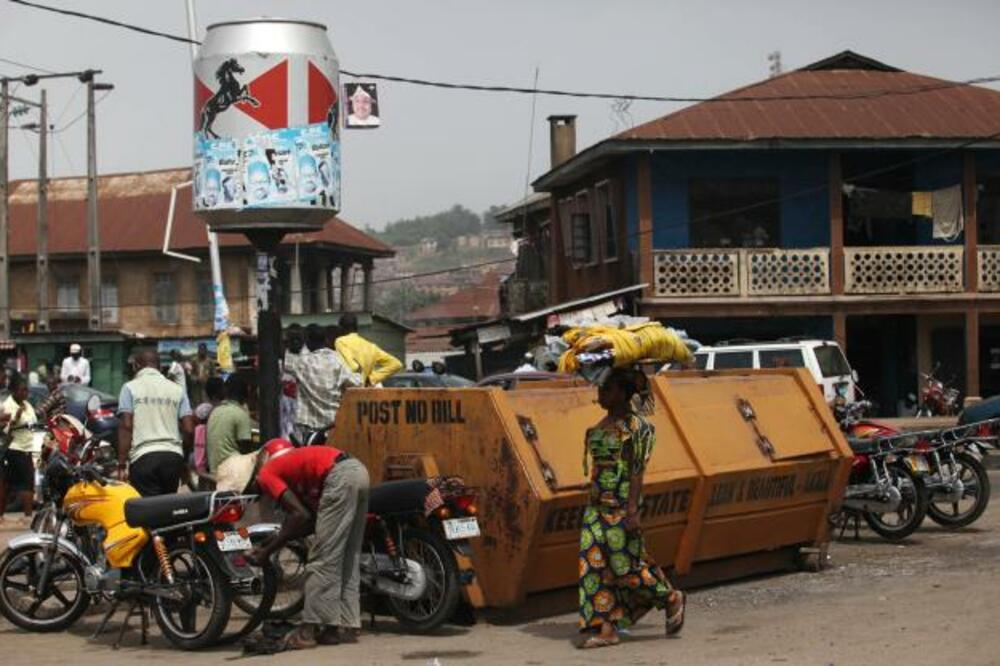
[(774, 58)]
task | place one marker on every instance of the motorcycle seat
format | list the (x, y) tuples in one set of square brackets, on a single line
[(406, 496), (154, 513)]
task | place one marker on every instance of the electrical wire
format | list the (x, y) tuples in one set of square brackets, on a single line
[(77, 118), (548, 91), (69, 102), (26, 66)]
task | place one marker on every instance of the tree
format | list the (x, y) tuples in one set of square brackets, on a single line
[(443, 227)]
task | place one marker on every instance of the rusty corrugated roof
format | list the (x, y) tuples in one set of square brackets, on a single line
[(853, 97), (132, 213), (481, 301)]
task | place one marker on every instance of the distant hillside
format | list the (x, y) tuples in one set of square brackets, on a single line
[(443, 227)]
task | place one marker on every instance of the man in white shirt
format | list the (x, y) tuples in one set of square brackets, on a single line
[(176, 372), (75, 368)]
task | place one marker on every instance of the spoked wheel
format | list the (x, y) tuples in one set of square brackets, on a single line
[(975, 495), (441, 597), (289, 565), (256, 606), (912, 509), (55, 608), (199, 616)]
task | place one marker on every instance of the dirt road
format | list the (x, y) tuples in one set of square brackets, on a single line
[(932, 600)]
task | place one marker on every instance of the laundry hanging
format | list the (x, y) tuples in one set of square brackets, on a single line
[(949, 216)]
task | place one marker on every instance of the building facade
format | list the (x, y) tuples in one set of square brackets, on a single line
[(847, 200), (160, 286)]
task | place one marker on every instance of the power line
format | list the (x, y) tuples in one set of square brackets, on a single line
[(69, 102), (26, 66), (77, 118), (549, 91)]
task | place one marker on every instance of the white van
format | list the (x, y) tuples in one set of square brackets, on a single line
[(823, 358)]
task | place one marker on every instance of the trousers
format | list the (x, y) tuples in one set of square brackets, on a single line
[(333, 573)]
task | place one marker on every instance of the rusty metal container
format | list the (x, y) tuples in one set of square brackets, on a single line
[(746, 469)]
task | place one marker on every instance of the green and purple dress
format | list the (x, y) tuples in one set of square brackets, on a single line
[(619, 582)]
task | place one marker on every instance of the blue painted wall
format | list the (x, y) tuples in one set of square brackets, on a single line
[(804, 219)]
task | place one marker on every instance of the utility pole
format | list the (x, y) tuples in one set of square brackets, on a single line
[(42, 262), (4, 216), (93, 231)]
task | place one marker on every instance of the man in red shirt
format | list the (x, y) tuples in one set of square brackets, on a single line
[(321, 490)]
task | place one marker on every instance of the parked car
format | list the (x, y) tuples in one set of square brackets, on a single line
[(511, 380), (426, 380), (823, 358)]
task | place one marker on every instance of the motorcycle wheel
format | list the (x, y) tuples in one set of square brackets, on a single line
[(207, 588), (256, 606), (441, 598), (290, 568), (973, 474), (20, 569), (912, 509)]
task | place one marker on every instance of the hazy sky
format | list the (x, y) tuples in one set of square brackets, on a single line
[(438, 147)]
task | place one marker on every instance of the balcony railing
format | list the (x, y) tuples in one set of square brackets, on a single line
[(751, 272), (903, 270), (701, 273)]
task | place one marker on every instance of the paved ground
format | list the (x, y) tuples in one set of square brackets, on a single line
[(928, 601)]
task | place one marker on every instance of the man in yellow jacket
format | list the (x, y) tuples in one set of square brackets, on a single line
[(364, 357)]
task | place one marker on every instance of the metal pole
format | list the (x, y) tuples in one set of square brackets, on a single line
[(42, 262), (268, 332), (4, 268), (93, 233)]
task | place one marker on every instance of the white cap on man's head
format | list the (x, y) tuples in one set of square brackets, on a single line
[(75, 348)]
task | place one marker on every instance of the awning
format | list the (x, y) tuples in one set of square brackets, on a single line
[(591, 307)]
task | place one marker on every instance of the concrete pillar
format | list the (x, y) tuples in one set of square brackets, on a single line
[(345, 276), (295, 285), (322, 290)]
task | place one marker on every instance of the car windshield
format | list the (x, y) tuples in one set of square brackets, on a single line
[(81, 394), (831, 361), (781, 358), (456, 381), (731, 360)]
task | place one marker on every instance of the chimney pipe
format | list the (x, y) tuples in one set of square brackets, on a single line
[(562, 138)]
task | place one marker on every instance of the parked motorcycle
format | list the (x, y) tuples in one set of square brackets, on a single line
[(937, 399), (956, 479), (410, 558), (167, 553), (885, 486)]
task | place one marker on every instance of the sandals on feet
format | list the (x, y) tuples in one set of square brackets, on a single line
[(297, 640), (597, 641), (676, 605)]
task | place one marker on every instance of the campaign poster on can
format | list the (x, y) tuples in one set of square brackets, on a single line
[(266, 131)]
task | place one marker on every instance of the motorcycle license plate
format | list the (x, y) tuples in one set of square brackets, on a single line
[(918, 463), (461, 528), (231, 541)]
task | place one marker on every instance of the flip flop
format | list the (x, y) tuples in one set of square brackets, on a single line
[(675, 620), (599, 642)]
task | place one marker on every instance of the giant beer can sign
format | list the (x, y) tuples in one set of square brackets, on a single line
[(266, 137)]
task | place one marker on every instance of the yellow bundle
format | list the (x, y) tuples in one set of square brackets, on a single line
[(628, 345)]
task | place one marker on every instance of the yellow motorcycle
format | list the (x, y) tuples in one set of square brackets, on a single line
[(172, 554)]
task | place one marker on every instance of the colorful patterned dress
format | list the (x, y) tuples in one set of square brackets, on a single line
[(619, 582)]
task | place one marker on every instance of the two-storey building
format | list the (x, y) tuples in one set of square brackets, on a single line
[(847, 199)]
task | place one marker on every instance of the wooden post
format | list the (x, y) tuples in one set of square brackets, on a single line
[(840, 330), (971, 354), (369, 292), (835, 182), (645, 205), (971, 223)]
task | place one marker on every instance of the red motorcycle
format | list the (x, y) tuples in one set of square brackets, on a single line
[(937, 399)]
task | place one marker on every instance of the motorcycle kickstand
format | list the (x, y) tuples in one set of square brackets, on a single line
[(128, 616), (104, 621)]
